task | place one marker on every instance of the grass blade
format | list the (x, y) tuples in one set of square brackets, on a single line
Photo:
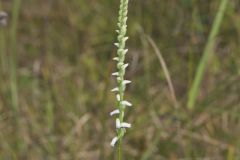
[(13, 73), (13, 61), (207, 52), (165, 70)]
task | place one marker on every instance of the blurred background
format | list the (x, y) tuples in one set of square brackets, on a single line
[(55, 80)]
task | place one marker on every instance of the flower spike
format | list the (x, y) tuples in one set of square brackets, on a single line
[(121, 66)]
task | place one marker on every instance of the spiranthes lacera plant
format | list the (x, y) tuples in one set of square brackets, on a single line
[(121, 82)]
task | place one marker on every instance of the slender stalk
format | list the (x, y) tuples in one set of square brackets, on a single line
[(165, 71), (120, 149), (13, 73), (121, 82), (13, 60), (208, 51), (48, 46)]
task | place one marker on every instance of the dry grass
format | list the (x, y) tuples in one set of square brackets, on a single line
[(64, 52)]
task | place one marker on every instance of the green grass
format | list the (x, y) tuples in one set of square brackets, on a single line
[(64, 51), (13, 73), (13, 55), (208, 51)]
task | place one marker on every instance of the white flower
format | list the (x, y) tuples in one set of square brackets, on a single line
[(125, 51), (114, 140), (126, 125), (122, 125), (118, 123), (118, 97), (115, 74), (116, 59), (126, 82), (114, 112), (115, 89), (125, 38), (126, 103), (125, 66), (116, 44)]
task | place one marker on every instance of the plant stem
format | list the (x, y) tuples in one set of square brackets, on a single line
[(13, 72), (120, 149), (13, 60), (206, 54)]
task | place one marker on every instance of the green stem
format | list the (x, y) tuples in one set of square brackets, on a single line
[(120, 149), (206, 54), (13, 72), (13, 60)]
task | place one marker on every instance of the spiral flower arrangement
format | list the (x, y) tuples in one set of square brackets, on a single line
[(121, 82)]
